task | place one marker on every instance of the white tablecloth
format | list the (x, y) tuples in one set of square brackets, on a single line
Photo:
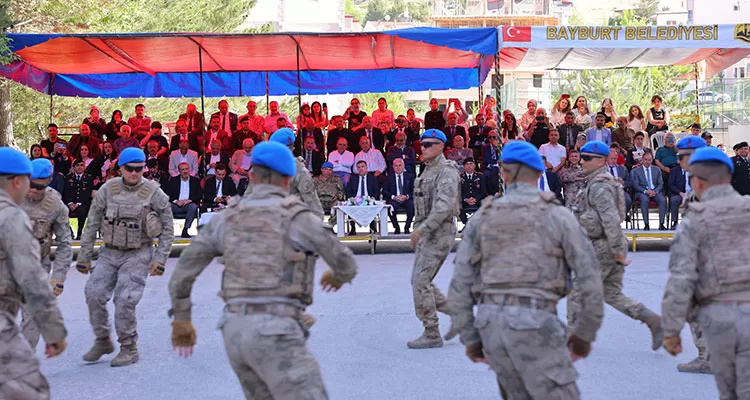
[(363, 215), (205, 218)]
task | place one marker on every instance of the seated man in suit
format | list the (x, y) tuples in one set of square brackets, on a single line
[(337, 132), (312, 159), (549, 181), (183, 155), (216, 156), (309, 130), (403, 152), (402, 126), (473, 189), (241, 163), (362, 184), (452, 130), (152, 153), (184, 193), (239, 136), (648, 185), (490, 163), (374, 134), (478, 135), (215, 133), (218, 189), (84, 137), (79, 189), (399, 193), (677, 187), (621, 174), (194, 121), (182, 134)]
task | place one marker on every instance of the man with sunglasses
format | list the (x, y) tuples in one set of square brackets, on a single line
[(601, 213), (24, 282), (490, 170), (128, 212), (48, 215), (516, 287), (437, 195), (681, 195), (709, 278)]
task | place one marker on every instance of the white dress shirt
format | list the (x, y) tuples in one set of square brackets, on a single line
[(219, 188), (543, 184), (373, 158), (613, 170), (553, 153), (362, 186), (184, 189), (342, 162), (213, 159)]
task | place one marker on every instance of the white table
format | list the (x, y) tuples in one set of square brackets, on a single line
[(363, 215), (205, 218)]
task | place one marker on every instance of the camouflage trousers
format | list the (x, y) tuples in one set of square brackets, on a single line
[(430, 254), (123, 273), (28, 327), (698, 338), (20, 377), (726, 328), (327, 207), (269, 354), (527, 349), (612, 276)]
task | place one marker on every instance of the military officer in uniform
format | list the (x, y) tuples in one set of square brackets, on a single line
[(302, 183), (436, 204), (741, 175), (23, 283), (128, 212), (601, 212), (709, 273), (517, 286), (685, 148), (330, 189), (48, 215), (267, 281)]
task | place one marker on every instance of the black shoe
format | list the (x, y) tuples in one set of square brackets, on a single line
[(662, 227), (397, 231), (373, 227), (627, 218), (674, 226), (185, 234), (407, 231), (646, 228)]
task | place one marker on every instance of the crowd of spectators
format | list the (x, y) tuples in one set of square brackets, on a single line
[(206, 160)]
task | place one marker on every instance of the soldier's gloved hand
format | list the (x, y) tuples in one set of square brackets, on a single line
[(83, 267), (578, 347), (672, 344), (157, 269), (414, 238), (55, 349), (57, 286), (329, 283), (475, 353), (183, 338)]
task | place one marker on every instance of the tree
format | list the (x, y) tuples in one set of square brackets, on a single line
[(646, 11), (377, 10), (351, 9), (6, 125), (30, 109), (395, 101), (419, 10)]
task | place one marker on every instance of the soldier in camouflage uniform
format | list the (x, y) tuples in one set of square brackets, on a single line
[(685, 148), (23, 283), (600, 212), (302, 183), (129, 213), (268, 240), (436, 203), (330, 190), (516, 287), (49, 215), (709, 273)]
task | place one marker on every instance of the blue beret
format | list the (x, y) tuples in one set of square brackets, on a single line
[(131, 155), (13, 162), (327, 164), (284, 136), (520, 152), (691, 142), (596, 147), (275, 156), (434, 134), (41, 168), (711, 154)]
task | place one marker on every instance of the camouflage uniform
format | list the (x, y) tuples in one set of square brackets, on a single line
[(303, 186), (601, 211), (436, 203), (128, 219), (709, 271), (48, 215), (330, 191), (23, 281), (572, 187), (267, 281), (517, 288)]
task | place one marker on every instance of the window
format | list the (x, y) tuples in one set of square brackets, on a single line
[(671, 22), (537, 80), (739, 72)]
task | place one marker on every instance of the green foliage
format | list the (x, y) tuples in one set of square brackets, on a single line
[(627, 18), (396, 10), (646, 11), (377, 10), (396, 102), (355, 11), (420, 10), (576, 19)]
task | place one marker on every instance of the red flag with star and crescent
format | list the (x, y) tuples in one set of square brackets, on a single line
[(517, 34)]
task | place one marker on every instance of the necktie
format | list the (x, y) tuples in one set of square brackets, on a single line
[(307, 160), (362, 186), (612, 171), (686, 175), (541, 183), (400, 185), (648, 178), (218, 189), (369, 136), (494, 157), (453, 131), (223, 117)]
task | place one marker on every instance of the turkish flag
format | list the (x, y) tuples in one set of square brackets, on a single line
[(517, 34)]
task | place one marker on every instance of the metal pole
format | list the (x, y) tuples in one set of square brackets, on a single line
[(697, 103), (299, 85), (267, 93), (498, 112), (51, 98), (200, 66)]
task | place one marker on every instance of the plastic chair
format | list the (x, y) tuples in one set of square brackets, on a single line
[(635, 210), (658, 139)]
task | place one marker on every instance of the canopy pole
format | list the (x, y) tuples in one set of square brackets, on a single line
[(496, 85), (299, 85), (479, 84), (51, 98), (267, 93), (200, 66), (697, 103)]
